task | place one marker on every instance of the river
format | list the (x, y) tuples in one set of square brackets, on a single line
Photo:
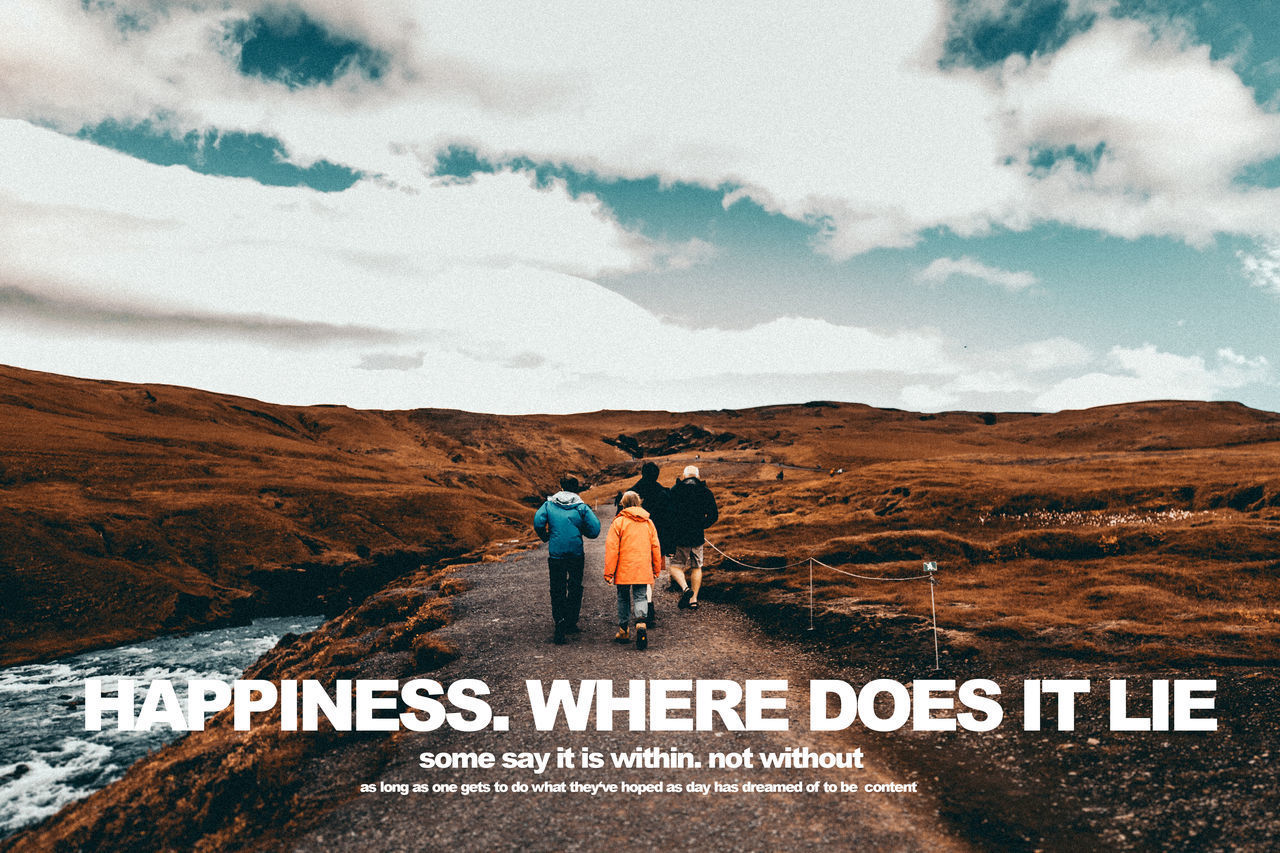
[(47, 759)]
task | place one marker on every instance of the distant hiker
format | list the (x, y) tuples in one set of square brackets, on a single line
[(779, 473), (690, 510), (562, 521), (632, 560), (654, 498)]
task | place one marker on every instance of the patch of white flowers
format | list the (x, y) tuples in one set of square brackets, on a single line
[(1090, 518)]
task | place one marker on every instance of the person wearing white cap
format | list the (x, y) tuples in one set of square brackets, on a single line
[(691, 509)]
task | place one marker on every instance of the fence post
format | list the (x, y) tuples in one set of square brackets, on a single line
[(931, 570), (811, 593)]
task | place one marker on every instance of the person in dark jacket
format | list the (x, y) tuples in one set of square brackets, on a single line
[(654, 498), (691, 509), (562, 521)]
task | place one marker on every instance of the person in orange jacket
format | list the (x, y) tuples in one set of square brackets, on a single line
[(632, 560)]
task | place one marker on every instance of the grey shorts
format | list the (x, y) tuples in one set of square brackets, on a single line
[(687, 557)]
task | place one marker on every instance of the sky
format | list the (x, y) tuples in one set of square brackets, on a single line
[(983, 205)]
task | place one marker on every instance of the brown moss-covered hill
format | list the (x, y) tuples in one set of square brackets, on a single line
[(128, 510), (1147, 530)]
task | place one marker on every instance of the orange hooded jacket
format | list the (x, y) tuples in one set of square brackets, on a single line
[(631, 550)]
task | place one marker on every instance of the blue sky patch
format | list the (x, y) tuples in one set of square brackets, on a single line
[(225, 153), (1245, 32), (662, 211), (1262, 175), (291, 48), (1023, 27), (1042, 159), (126, 20)]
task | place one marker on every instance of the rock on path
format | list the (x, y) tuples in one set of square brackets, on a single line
[(503, 632)]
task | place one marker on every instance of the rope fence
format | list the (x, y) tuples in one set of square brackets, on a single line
[(760, 568), (930, 575)]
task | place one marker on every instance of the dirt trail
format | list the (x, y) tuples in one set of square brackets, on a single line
[(503, 633)]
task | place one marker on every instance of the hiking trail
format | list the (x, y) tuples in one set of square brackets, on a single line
[(502, 629)]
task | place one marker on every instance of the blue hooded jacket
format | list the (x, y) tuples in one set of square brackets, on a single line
[(569, 520)]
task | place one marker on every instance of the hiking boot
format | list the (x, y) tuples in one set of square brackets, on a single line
[(558, 637), (652, 621), (623, 636), (642, 637)]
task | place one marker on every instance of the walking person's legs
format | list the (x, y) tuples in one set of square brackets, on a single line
[(685, 567), (558, 576), (676, 567), (695, 574), (573, 594), (640, 608), (624, 613)]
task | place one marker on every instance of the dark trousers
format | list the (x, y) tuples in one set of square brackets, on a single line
[(566, 588)]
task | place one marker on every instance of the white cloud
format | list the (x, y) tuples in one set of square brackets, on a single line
[(77, 213), (1176, 128), (1262, 267), (480, 282), (874, 150), (1146, 373), (942, 269), (1047, 355), (927, 398)]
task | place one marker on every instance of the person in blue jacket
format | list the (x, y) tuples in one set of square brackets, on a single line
[(561, 522)]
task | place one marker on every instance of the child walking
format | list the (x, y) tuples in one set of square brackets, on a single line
[(632, 561)]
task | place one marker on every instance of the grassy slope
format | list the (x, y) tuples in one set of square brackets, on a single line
[(1148, 529), (130, 510)]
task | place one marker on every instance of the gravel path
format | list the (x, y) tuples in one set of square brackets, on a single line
[(503, 632)]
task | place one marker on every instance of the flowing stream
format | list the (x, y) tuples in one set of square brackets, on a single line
[(47, 759)]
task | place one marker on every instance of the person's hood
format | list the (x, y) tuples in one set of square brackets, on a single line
[(691, 481), (636, 512), (565, 499)]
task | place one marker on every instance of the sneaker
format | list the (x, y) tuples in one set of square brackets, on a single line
[(685, 597), (642, 637), (623, 636), (558, 638)]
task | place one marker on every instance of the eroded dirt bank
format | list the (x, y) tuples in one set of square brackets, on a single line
[(222, 789)]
